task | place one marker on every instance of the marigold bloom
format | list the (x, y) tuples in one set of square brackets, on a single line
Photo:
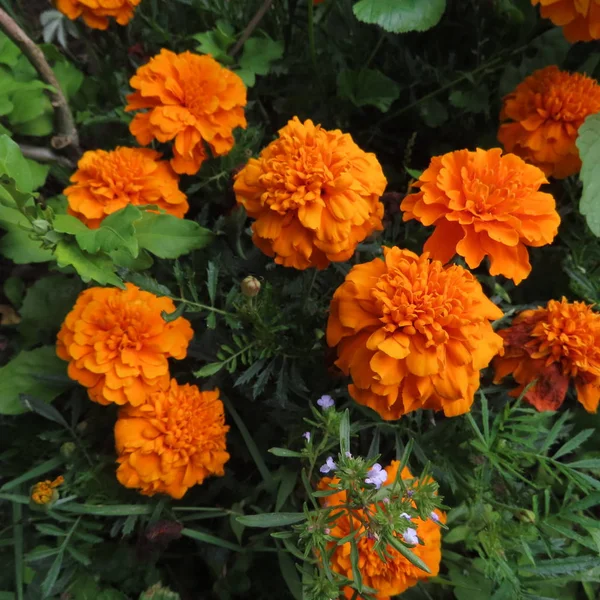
[(108, 181), (191, 99), (314, 195), (484, 204), (580, 19), (117, 343), (96, 13), (171, 442), (44, 492), (412, 334), (398, 573), (555, 345), (545, 112)]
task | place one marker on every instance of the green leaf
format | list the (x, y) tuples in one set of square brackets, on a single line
[(6, 106), (69, 77), (145, 282), (209, 369), (271, 519), (210, 539), (216, 42), (97, 268), (367, 87), (573, 443), (410, 556), (39, 173), (39, 373), (290, 574), (13, 164), (34, 473), (259, 53), (13, 289), (345, 432), (21, 249), (588, 142), (39, 127), (284, 452), (28, 107), (400, 16), (45, 306), (167, 236)]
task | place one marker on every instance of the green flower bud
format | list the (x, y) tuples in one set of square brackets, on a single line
[(40, 226), (158, 592), (68, 449), (250, 286)]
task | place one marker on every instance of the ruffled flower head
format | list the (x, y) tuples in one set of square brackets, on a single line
[(397, 574), (556, 345), (191, 99), (544, 114), (484, 204), (171, 442), (314, 195), (96, 13), (412, 334), (108, 181), (580, 19), (117, 343)]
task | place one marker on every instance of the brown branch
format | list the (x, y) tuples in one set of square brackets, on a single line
[(67, 133), (45, 155), (252, 25)]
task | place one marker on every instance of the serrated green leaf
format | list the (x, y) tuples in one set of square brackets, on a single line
[(14, 165), (259, 53), (167, 236), (400, 16), (367, 87), (588, 142), (88, 266), (573, 443), (39, 373)]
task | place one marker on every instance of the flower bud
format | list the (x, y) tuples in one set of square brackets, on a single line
[(67, 450), (250, 286), (43, 495), (158, 592)]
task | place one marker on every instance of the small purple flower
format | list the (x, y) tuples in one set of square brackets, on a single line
[(306, 436), (328, 466), (410, 493), (376, 476), (348, 455), (410, 536), (326, 531), (406, 516), (325, 402), (434, 517), (386, 500)]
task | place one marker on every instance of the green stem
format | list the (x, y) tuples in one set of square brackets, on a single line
[(202, 306), (375, 51), (17, 517)]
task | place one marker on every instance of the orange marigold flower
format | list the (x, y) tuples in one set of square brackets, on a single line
[(484, 204), (580, 19), (44, 493), (545, 112), (171, 442), (191, 99), (96, 13), (108, 181), (117, 343), (412, 334), (555, 345), (314, 194), (395, 575)]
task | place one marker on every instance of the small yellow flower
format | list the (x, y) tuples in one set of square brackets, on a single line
[(44, 493)]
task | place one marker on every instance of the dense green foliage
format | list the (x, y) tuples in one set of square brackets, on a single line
[(522, 488)]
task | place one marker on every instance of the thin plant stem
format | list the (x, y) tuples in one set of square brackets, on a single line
[(311, 35)]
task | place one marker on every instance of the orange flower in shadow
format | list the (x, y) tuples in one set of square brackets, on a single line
[(314, 195), (192, 100), (395, 575), (545, 112), (556, 345), (484, 204), (117, 343), (108, 181), (580, 19), (412, 334), (96, 13), (171, 442)]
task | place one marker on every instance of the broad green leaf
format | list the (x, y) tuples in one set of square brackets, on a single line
[(9, 52), (39, 373), (122, 258), (29, 106), (167, 236), (400, 16), (588, 142), (45, 306), (90, 267), (39, 173), (6, 106), (69, 77), (271, 519), (367, 87), (39, 127), (259, 53), (13, 164), (216, 42), (21, 249)]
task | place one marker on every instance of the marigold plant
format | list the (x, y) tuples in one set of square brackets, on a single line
[(117, 343), (395, 575), (171, 442), (580, 19), (108, 181), (482, 204), (190, 99), (557, 344), (44, 493), (96, 13), (314, 195), (544, 114), (412, 334)]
